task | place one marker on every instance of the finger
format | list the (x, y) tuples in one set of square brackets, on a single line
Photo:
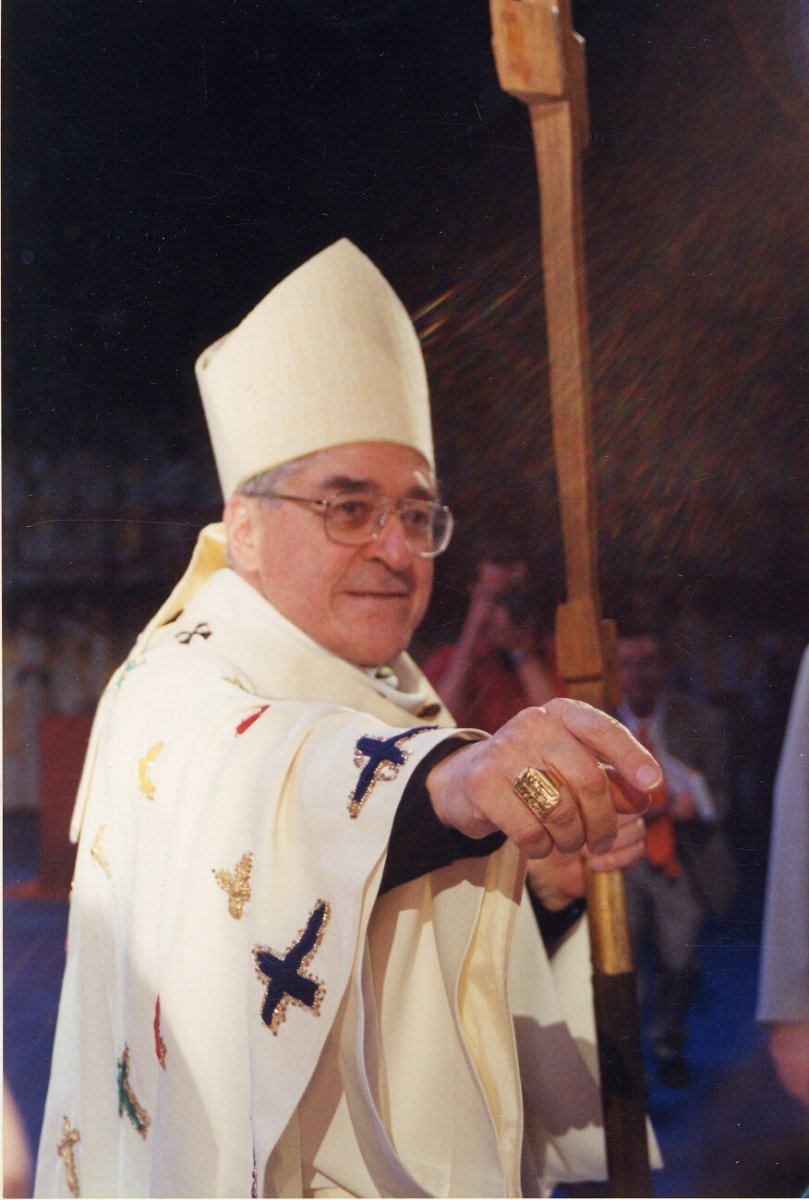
[(468, 793), (524, 829), (631, 828), (537, 844), (520, 822), (574, 822), (626, 798), (585, 810), (628, 848), (609, 740), (618, 859), (631, 835)]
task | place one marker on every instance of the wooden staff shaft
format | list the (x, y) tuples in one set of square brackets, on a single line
[(559, 173), (585, 645), (540, 60)]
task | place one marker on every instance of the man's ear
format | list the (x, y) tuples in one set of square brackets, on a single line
[(241, 525)]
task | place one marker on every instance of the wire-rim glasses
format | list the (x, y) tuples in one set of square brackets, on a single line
[(352, 520)]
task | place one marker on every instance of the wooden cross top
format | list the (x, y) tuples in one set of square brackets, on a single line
[(540, 57)]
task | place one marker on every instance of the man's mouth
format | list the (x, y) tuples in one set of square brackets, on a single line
[(391, 587), (379, 593)]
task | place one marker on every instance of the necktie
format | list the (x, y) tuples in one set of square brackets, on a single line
[(661, 844)]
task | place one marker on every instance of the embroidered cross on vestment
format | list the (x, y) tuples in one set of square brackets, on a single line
[(380, 758), (283, 973), (202, 630)]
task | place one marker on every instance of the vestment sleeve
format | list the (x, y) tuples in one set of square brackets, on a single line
[(419, 843)]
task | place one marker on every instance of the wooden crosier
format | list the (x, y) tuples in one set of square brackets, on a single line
[(540, 60)]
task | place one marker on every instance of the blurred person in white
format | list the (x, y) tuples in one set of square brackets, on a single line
[(783, 995)]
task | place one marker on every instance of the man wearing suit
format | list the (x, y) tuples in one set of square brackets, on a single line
[(688, 869)]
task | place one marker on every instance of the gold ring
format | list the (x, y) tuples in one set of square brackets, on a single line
[(538, 791)]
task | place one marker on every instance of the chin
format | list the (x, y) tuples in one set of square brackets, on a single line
[(374, 653), (370, 643), (370, 659)]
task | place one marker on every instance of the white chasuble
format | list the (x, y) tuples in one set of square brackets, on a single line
[(240, 1013)]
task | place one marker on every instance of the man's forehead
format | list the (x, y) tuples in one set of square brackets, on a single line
[(368, 467)]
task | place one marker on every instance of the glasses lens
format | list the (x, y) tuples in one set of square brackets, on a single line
[(356, 520), (425, 526), (352, 519), (442, 528)]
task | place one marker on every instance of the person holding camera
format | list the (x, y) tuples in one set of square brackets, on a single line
[(498, 666)]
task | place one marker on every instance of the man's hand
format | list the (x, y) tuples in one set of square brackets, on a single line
[(789, 1050), (558, 880), (471, 790)]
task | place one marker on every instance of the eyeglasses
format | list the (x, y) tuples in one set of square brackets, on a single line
[(352, 520)]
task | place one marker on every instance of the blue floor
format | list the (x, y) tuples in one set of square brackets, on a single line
[(732, 1132), (33, 961)]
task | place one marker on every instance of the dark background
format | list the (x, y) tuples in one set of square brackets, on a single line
[(165, 165)]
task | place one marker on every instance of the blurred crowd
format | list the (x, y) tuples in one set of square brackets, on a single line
[(748, 671), (79, 589), (718, 651), (85, 535), (709, 694), (58, 653), (93, 515)]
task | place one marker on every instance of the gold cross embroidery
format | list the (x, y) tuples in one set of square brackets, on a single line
[(145, 784), (97, 851), (237, 884), (65, 1151)]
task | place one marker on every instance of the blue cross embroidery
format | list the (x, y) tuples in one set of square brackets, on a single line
[(283, 973), (202, 630), (384, 757)]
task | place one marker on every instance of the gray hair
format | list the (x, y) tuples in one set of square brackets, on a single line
[(268, 481), (262, 486)]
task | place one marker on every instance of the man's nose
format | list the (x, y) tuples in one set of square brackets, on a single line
[(390, 543)]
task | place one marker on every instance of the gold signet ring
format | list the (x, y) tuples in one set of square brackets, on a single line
[(538, 791)]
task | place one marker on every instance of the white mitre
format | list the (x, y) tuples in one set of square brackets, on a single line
[(329, 356)]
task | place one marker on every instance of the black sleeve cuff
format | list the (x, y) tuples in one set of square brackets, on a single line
[(419, 843), (554, 925)]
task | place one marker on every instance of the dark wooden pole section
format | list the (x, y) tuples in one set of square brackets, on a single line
[(540, 60)]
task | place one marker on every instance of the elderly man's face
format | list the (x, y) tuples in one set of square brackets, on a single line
[(361, 602)]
